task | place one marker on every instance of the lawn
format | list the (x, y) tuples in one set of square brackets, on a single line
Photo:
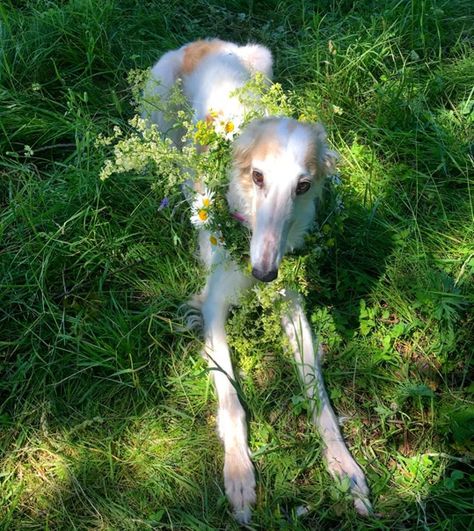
[(107, 415)]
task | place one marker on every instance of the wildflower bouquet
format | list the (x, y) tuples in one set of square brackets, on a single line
[(202, 174)]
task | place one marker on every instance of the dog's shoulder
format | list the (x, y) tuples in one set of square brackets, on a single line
[(195, 52), (255, 57)]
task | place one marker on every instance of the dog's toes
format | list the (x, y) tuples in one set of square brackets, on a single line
[(342, 465), (363, 506), (243, 516), (239, 479), (360, 493)]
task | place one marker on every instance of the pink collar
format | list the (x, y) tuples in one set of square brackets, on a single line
[(239, 217)]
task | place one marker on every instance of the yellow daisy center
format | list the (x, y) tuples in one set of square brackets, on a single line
[(206, 202), (213, 240), (202, 215), (229, 127)]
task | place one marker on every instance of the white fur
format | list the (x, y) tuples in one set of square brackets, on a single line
[(163, 78), (286, 152)]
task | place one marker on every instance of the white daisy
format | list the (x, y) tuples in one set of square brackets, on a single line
[(201, 208), (228, 128), (200, 218), (216, 240)]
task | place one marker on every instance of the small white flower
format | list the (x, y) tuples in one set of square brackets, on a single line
[(201, 208), (200, 218), (216, 240), (203, 200), (28, 151), (228, 128)]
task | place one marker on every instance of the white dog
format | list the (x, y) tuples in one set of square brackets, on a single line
[(279, 166)]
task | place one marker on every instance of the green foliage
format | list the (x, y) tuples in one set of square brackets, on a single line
[(107, 415)]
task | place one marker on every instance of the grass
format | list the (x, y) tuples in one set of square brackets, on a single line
[(107, 415)]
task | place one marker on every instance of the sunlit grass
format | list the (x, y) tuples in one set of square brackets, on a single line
[(107, 417)]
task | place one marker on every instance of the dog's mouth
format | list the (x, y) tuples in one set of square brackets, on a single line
[(265, 267)]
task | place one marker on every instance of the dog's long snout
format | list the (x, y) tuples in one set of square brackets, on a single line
[(264, 276)]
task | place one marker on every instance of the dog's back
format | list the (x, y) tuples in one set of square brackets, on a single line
[(210, 70)]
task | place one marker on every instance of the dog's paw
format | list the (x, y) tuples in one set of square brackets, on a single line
[(190, 314), (239, 480), (343, 466)]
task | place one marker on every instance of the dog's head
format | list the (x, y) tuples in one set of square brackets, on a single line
[(279, 166)]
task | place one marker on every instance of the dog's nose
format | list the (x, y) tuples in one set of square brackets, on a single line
[(265, 276)]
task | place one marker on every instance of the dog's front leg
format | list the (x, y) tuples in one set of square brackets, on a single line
[(339, 460), (222, 289)]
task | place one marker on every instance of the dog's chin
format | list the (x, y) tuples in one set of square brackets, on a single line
[(264, 276)]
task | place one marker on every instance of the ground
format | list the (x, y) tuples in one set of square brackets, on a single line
[(107, 415)]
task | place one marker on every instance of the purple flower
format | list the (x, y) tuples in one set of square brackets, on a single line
[(164, 203)]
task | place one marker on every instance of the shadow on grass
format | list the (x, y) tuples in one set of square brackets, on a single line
[(141, 472), (95, 452), (82, 446)]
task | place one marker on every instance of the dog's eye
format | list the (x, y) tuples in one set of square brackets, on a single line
[(302, 187), (257, 177)]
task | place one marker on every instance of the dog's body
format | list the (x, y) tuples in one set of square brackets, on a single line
[(279, 166), (209, 71)]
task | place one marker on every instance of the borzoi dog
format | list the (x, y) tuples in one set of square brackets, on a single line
[(278, 169)]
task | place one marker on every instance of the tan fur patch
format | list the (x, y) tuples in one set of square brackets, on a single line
[(267, 146), (258, 142), (195, 52)]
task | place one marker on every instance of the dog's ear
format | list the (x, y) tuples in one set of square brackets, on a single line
[(325, 159), (243, 147), (330, 159)]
